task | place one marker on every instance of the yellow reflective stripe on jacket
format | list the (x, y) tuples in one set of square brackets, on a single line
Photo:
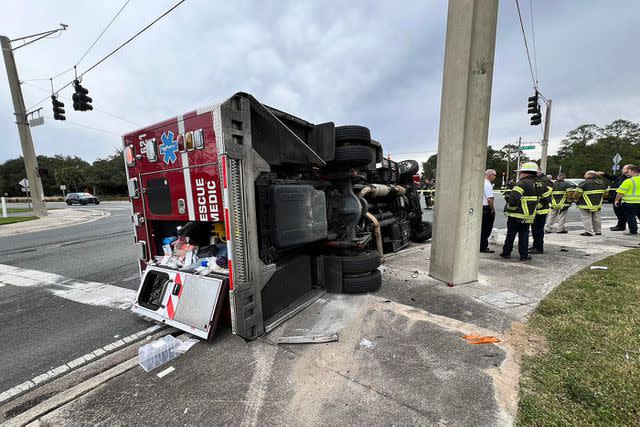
[(587, 201), (541, 210), (558, 203)]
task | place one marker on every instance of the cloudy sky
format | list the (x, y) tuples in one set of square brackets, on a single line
[(377, 63)]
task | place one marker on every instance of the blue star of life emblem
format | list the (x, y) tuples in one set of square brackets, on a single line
[(168, 148)]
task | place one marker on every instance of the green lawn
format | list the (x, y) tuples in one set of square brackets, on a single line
[(13, 219), (591, 374), (18, 210)]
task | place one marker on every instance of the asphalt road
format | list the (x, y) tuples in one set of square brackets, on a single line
[(41, 328)]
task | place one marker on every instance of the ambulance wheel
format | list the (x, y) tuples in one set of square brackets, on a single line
[(353, 134), (362, 263), (352, 156), (423, 233), (363, 283), (68, 203)]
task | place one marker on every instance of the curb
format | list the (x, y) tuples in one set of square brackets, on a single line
[(48, 223)]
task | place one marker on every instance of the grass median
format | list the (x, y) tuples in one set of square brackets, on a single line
[(14, 219), (591, 371)]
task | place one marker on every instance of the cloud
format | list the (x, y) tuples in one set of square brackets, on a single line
[(361, 62)]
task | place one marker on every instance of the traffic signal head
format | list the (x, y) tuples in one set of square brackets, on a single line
[(536, 119), (81, 100), (58, 108), (533, 101)]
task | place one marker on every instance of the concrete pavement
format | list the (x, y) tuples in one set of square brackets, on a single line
[(400, 357)]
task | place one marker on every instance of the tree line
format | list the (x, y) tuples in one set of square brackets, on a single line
[(105, 176), (588, 146)]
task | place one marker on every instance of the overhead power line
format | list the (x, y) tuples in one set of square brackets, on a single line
[(86, 52), (95, 109), (88, 127), (101, 34), (526, 46), (114, 51), (533, 40)]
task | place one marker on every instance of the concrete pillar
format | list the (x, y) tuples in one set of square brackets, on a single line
[(462, 143)]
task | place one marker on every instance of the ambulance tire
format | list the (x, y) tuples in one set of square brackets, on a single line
[(423, 233), (363, 283), (359, 264), (353, 134), (352, 156)]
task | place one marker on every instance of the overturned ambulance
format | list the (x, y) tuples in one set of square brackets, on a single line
[(245, 212)]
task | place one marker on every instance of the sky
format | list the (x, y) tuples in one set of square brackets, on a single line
[(367, 62)]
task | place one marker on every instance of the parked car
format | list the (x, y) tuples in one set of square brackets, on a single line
[(81, 199), (575, 181)]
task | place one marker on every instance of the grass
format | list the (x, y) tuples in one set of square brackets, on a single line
[(591, 374), (18, 210), (14, 219)]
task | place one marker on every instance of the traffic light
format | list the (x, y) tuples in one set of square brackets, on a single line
[(533, 104), (534, 108), (58, 108), (536, 119), (81, 100)]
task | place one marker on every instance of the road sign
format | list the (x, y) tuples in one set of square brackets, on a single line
[(63, 187), (615, 168), (23, 189), (24, 183), (617, 158), (527, 147)]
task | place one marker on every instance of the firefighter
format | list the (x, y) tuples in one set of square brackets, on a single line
[(544, 185), (592, 191), (559, 205), (628, 197), (520, 211)]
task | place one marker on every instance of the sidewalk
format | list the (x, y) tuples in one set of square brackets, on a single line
[(400, 357), (57, 218)]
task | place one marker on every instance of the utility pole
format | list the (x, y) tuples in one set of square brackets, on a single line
[(24, 131), (519, 151), (545, 138), (462, 143)]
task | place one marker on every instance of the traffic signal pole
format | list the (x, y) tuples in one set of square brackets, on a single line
[(462, 142), (545, 138), (24, 131)]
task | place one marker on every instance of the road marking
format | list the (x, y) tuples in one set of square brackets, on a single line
[(166, 371), (56, 372), (91, 293)]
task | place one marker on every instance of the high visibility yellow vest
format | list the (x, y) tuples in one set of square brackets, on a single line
[(630, 190)]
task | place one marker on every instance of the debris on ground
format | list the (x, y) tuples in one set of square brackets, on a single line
[(480, 339), (599, 267)]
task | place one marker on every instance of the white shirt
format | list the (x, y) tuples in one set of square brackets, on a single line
[(488, 192)]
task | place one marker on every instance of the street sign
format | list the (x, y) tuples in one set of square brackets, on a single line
[(24, 183), (527, 147), (617, 158), (23, 189), (615, 168), (36, 122), (63, 187)]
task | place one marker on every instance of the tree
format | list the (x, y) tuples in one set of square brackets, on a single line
[(429, 168)]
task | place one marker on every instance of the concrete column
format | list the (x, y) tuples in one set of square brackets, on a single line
[(462, 143)]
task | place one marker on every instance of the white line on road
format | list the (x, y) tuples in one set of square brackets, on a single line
[(56, 372), (92, 293)]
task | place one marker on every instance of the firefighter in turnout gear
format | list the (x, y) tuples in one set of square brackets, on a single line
[(559, 205), (544, 187), (520, 210), (592, 190)]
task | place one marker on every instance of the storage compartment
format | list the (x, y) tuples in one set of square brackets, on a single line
[(291, 281), (298, 215), (159, 196), (152, 289)]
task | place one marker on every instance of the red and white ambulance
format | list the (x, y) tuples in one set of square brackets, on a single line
[(243, 207)]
